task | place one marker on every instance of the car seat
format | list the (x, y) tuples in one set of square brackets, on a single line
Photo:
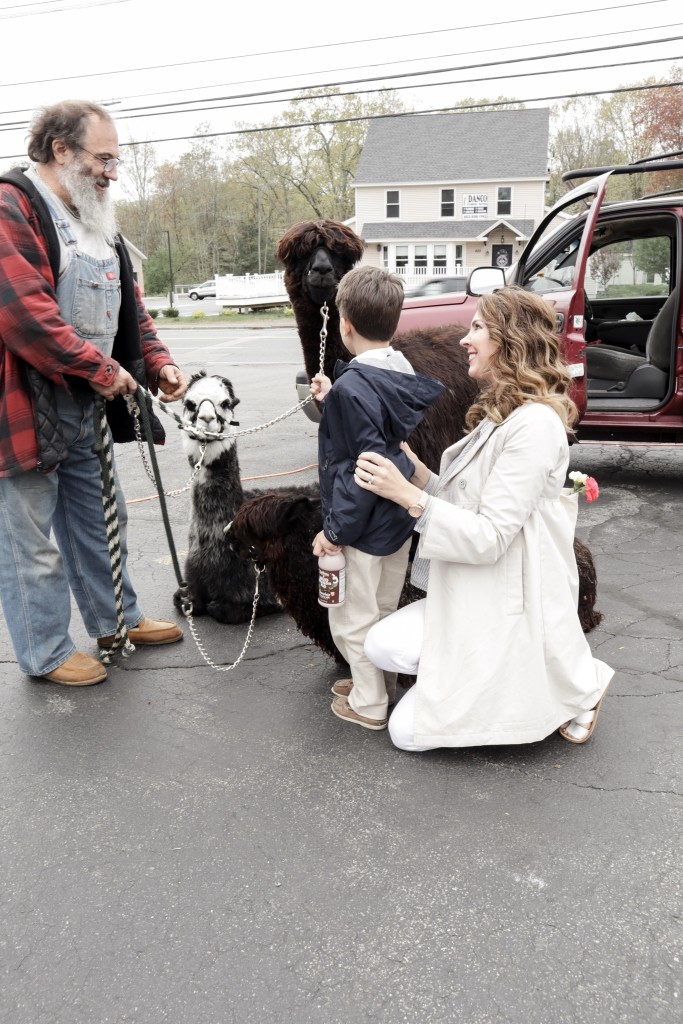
[(613, 371)]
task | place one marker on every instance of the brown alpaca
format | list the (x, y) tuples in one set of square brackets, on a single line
[(316, 255), (275, 530)]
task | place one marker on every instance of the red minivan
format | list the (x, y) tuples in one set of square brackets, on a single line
[(613, 272)]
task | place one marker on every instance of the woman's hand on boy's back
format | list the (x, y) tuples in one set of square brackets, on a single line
[(422, 473)]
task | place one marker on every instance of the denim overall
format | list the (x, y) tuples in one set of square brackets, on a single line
[(36, 577)]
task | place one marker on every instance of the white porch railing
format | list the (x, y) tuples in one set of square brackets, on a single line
[(412, 276)]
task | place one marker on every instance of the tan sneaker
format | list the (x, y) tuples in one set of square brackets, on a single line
[(342, 709), (78, 670), (343, 687), (149, 632)]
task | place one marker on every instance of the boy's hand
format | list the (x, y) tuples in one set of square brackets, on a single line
[(323, 546), (320, 385)]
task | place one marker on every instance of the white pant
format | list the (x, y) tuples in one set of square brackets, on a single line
[(395, 644)]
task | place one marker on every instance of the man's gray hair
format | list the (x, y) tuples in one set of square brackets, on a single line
[(66, 121)]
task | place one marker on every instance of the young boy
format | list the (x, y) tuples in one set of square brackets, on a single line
[(376, 401)]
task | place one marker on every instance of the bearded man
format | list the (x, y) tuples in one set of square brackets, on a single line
[(72, 324)]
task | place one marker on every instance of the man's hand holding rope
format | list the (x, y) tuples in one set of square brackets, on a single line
[(171, 381)]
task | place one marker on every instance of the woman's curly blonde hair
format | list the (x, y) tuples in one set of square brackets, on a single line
[(526, 365)]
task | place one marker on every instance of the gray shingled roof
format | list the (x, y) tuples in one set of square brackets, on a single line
[(475, 146), (386, 231)]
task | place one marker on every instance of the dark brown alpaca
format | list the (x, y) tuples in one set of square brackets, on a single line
[(275, 530), (316, 255)]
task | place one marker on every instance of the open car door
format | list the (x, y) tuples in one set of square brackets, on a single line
[(558, 263)]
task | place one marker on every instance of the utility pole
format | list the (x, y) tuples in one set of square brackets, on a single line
[(170, 266)]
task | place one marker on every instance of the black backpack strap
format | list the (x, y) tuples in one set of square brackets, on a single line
[(17, 178)]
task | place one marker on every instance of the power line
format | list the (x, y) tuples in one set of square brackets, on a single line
[(159, 110), (56, 10), (378, 117), (440, 56), (394, 88), (323, 46)]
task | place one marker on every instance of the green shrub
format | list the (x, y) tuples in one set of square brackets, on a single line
[(198, 314), (171, 311), (154, 313)]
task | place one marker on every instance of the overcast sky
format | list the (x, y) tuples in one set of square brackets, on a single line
[(112, 51)]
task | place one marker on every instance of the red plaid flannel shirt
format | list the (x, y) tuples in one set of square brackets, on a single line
[(33, 331)]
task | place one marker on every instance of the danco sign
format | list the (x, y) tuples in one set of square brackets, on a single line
[(475, 204)]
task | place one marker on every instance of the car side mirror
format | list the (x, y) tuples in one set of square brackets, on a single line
[(484, 280)]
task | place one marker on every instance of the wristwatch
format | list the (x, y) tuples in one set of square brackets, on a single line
[(417, 508)]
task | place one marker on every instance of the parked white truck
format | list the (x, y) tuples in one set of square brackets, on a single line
[(251, 291)]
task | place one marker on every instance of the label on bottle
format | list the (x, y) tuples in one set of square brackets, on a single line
[(331, 586)]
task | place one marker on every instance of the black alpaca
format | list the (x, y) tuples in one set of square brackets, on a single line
[(220, 583)]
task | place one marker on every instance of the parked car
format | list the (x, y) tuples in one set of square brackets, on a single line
[(206, 290), (437, 286), (623, 344)]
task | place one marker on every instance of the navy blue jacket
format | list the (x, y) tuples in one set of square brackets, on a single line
[(369, 409)]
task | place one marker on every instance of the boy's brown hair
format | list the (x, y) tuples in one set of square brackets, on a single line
[(371, 300)]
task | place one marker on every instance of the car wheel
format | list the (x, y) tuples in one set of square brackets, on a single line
[(194, 296)]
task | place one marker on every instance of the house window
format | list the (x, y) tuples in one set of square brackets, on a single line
[(504, 201), (393, 207), (421, 257), (448, 202), (385, 256), (401, 256), (439, 257), (458, 257)]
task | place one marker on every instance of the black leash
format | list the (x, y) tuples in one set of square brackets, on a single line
[(185, 602)]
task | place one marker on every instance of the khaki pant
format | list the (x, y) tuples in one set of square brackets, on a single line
[(373, 588)]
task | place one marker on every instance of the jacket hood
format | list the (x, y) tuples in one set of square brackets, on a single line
[(405, 396)]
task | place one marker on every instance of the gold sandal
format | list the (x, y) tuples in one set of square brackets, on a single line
[(587, 727)]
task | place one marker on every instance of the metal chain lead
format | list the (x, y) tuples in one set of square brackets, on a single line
[(134, 410), (250, 631), (203, 437)]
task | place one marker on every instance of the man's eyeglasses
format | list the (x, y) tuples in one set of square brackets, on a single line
[(108, 165)]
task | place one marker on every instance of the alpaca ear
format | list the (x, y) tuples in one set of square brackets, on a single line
[(351, 245), (293, 515), (195, 377), (227, 384)]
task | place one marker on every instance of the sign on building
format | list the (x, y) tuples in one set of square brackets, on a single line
[(474, 205)]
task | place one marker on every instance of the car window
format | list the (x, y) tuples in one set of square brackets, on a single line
[(637, 266), (557, 273)]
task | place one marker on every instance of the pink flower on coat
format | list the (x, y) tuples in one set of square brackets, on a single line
[(592, 490)]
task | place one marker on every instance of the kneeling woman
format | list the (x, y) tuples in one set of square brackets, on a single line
[(497, 646)]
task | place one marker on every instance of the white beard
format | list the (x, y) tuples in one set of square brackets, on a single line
[(95, 209)]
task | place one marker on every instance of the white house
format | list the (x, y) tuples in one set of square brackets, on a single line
[(440, 194)]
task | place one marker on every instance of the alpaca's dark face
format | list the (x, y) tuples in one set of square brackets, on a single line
[(263, 526), (321, 274), (252, 536), (316, 255)]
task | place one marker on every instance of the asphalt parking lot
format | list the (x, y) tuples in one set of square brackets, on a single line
[(186, 845)]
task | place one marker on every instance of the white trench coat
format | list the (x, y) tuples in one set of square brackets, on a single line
[(504, 659)]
